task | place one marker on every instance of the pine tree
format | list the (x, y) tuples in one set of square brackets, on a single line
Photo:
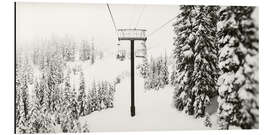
[(238, 56), (88, 102), (70, 118), (43, 92), (207, 121), (205, 59), (18, 85), (94, 97), (85, 51), (93, 54), (184, 55), (39, 119), (23, 108), (68, 50), (195, 73), (165, 70), (66, 104), (144, 68), (82, 96), (36, 56), (111, 91), (173, 75), (55, 78), (149, 80), (28, 70)]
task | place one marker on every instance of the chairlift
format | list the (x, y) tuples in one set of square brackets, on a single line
[(141, 50), (121, 53)]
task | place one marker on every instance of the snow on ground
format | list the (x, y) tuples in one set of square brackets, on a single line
[(154, 109), (106, 69)]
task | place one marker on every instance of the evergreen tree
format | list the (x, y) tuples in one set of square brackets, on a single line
[(173, 75), (70, 118), (238, 56), (110, 97), (93, 54), (184, 54), (36, 55), (40, 121), (68, 50), (65, 109), (85, 52), (149, 80), (156, 74), (82, 96), (196, 58), (205, 59), (165, 70), (144, 68), (94, 97), (207, 121), (23, 108), (55, 78), (88, 102), (18, 85)]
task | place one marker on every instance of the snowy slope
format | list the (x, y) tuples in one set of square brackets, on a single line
[(107, 69), (154, 110)]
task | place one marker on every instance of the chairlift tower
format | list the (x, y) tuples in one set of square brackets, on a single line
[(132, 35)]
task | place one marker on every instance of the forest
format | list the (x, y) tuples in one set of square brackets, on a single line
[(215, 57)]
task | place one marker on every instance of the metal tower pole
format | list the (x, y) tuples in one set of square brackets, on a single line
[(132, 35), (132, 107)]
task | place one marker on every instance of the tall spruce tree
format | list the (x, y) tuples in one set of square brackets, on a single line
[(82, 96), (18, 85), (205, 59), (23, 108), (184, 55), (238, 56), (40, 121), (55, 78), (196, 58), (85, 50)]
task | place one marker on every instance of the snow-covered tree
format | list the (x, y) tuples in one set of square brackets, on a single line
[(110, 97), (144, 68), (68, 50), (85, 51), (164, 70), (150, 81), (88, 102), (195, 52), (184, 55), (238, 57), (82, 96), (93, 53), (156, 73), (70, 117), (36, 56), (24, 108), (173, 74), (207, 121), (205, 59), (95, 104), (55, 78), (18, 85), (40, 120)]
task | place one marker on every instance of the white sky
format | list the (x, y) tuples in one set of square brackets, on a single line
[(87, 21)]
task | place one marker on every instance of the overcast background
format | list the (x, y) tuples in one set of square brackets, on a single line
[(92, 21)]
